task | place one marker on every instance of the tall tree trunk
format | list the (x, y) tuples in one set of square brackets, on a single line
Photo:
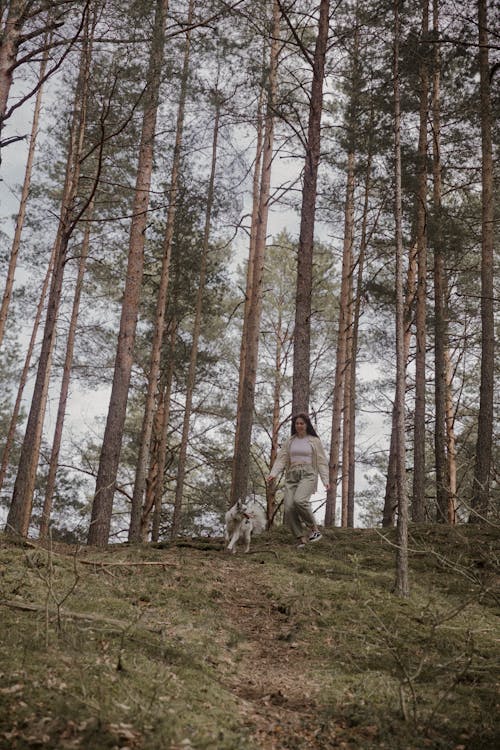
[(341, 353), (9, 43), (153, 474), (253, 231), (155, 501), (22, 499), (391, 500), (401, 585), (244, 418), (26, 368), (451, 453), (16, 242), (191, 380), (102, 506), (347, 416), (418, 503), (63, 395), (346, 431), (440, 325), (282, 334), (161, 304), (302, 335), (355, 324), (482, 468)]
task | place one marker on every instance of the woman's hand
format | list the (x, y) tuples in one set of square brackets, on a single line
[(270, 479), (327, 487)]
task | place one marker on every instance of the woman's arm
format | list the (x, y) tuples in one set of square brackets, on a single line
[(323, 466), (280, 462)]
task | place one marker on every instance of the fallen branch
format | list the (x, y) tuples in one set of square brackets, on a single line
[(87, 617), (104, 564)]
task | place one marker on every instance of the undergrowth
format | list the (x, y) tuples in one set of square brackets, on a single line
[(184, 646)]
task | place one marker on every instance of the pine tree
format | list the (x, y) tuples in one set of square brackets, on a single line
[(110, 453)]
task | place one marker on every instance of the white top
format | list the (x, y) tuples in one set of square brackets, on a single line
[(300, 451)]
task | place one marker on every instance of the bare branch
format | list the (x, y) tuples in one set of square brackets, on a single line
[(55, 67)]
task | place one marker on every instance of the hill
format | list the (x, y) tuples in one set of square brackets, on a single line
[(185, 646)]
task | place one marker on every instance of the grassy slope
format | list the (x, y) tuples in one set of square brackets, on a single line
[(281, 648)]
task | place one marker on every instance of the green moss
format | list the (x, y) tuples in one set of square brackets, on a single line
[(279, 648)]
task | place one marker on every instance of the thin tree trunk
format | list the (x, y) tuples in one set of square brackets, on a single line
[(346, 433), (19, 515), (163, 423), (16, 242), (253, 232), (244, 418), (401, 586), (302, 335), (161, 304), (482, 468), (418, 504), (440, 325), (355, 325), (281, 336), (63, 395), (110, 454), (347, 416), (181, 465), (153, 474), (451, 453), (26, 368), (341, 353), (390, 500)]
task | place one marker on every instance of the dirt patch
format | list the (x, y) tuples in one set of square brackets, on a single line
[(275, 681)]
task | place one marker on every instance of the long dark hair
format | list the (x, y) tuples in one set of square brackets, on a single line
[(309, 428)]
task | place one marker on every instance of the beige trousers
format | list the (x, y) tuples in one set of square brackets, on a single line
[(299, 485)]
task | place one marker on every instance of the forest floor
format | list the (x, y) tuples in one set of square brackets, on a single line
[(183, 646)]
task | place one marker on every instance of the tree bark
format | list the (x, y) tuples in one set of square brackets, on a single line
[(302, 335), (355, 324), (26, 368), (401, 586), (390, 500), (161, 304), (63, 395), (16, 242), (347, 517), (451, 453), (346, 428), (341, 354), (256, 187), (181, 465), (282, 339), (161, 459), (19, 515), (482, 468), (9, 44), (244, 418), (440, 324), (418, 503), (102, 506)]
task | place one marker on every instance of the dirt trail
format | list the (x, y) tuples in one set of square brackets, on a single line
[(283, 707)]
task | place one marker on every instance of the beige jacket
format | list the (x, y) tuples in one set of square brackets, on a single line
[(319, 462)]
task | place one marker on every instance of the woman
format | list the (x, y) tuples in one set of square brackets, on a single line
[(303, 457)]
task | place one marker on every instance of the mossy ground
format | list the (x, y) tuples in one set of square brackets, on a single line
[(281, 648)]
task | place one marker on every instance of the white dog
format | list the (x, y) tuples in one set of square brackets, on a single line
[(245, 518)]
